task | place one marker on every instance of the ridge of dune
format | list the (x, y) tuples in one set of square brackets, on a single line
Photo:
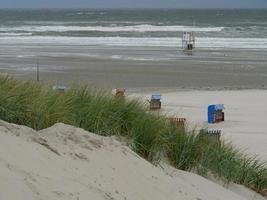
[(64, 162)]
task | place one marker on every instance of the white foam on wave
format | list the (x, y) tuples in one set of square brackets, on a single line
[(137, 58), (25, 56), (15, 34), (251, 43), (135, 28), (118, 57)]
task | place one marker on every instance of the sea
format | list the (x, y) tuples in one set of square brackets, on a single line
[(142, 27)]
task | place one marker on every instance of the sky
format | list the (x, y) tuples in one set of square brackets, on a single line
[(133, 3)]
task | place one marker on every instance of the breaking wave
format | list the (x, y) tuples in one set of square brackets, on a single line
[(135, 28)]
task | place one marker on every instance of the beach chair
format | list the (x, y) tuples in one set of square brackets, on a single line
[(59, 88), (179, 122), (155, 102), (215, 113), (211, 134), (120, 92), (216, 134)]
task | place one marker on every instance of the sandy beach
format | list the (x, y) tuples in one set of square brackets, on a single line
[(245, 115)]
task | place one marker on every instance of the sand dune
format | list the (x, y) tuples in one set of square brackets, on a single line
[(63, 162)]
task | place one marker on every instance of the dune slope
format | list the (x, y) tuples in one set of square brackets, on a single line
[(64, 162)]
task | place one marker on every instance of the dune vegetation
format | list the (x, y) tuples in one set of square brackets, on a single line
[(149, 134)]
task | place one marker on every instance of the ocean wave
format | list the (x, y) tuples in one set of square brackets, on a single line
[(79, 23), (250, 43), (15, 34), (88, 13), (136, 28)]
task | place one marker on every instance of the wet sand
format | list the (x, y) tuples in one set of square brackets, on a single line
[(137, 68)]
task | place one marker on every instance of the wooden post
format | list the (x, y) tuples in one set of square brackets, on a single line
[(37, 73)]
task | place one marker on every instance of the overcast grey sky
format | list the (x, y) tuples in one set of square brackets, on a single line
[(133, 3)]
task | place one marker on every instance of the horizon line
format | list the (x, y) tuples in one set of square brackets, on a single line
[(128, 8)]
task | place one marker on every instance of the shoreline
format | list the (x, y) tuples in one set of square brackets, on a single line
[(200, 89)]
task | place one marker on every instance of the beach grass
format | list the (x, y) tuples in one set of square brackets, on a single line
[(149, 134)]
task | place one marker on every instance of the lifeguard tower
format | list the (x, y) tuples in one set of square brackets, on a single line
[(188, 41)]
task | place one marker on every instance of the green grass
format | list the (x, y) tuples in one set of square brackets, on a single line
[(151, 135)]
